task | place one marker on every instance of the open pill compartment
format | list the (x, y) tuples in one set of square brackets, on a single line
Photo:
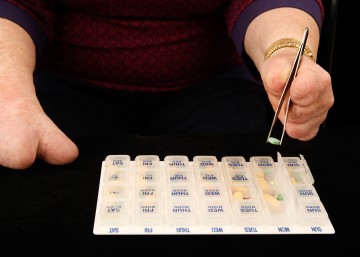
[(244, 198), (308, 207), (205, 195), (273, 193)]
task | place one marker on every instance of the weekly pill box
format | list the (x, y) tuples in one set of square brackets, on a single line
[(204, 195)]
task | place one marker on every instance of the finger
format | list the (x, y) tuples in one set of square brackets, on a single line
[(311, 84), (311, 97), (55, 147), (305, 130), (274, 76)]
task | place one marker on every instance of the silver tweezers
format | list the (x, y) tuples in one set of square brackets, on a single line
[(291, 77)]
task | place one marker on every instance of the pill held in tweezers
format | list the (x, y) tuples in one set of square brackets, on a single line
[(274, 141)]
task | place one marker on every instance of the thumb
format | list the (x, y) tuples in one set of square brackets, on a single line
[(55, 147), (275, 73)]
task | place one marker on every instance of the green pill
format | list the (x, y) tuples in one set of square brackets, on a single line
[(274, 141), (280, 197)]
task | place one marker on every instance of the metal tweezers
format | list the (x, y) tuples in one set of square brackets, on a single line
[(291, 77)]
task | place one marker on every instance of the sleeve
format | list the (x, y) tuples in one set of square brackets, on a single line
[(240, 13), (37, 17)]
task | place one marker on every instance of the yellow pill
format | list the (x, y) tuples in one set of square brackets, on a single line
[(273, 204), (260, 174), (242, 189), (265, 187), (238, 196), (292, 180)]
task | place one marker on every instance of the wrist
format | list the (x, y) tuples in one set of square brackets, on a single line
[(288, 43)]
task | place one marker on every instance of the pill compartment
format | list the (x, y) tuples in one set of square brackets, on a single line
[(308, 207), (182, 213), (207, 169), (177, 169), (114, 213), (183, 191), (119, 161), (115, 204), (114, 174), (212, 191), (149, 213), (248, 212), (147, 192), (147, 169), (234, 167), (260, 164), (176, 163), (237, 178), (263, 169), (181, 194), (117, 168), (275, 202), (266, 179), (296, 170), (271, 188), (305, 191), (273, 194), (213, 198), (207, 172), (148, 200), (246, 204), (114, 191), (308, 214), (301, 190), (298, 177), (312, 213), (241, 191), (244, 199), (216, 212), (292, 163)]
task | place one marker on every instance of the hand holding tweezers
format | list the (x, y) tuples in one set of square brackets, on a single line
[(291, 77)]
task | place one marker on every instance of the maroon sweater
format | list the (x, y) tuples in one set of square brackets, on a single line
[(141, 45)]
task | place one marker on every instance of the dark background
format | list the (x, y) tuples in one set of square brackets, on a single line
[(345, 70), (49, 211)]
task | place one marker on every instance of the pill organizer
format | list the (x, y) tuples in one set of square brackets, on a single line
[(178, 196)]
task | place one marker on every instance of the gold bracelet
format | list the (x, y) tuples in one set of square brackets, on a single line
[(287, 42)]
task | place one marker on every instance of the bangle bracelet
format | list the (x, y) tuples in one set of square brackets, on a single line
[(287, 42)]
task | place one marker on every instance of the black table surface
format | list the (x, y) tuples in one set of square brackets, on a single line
[(49, 210)]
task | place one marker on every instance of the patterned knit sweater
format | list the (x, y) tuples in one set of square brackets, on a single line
[(141, 45)]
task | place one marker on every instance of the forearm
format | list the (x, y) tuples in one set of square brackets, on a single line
[(26, 132), (276, 24), (17, 60)]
